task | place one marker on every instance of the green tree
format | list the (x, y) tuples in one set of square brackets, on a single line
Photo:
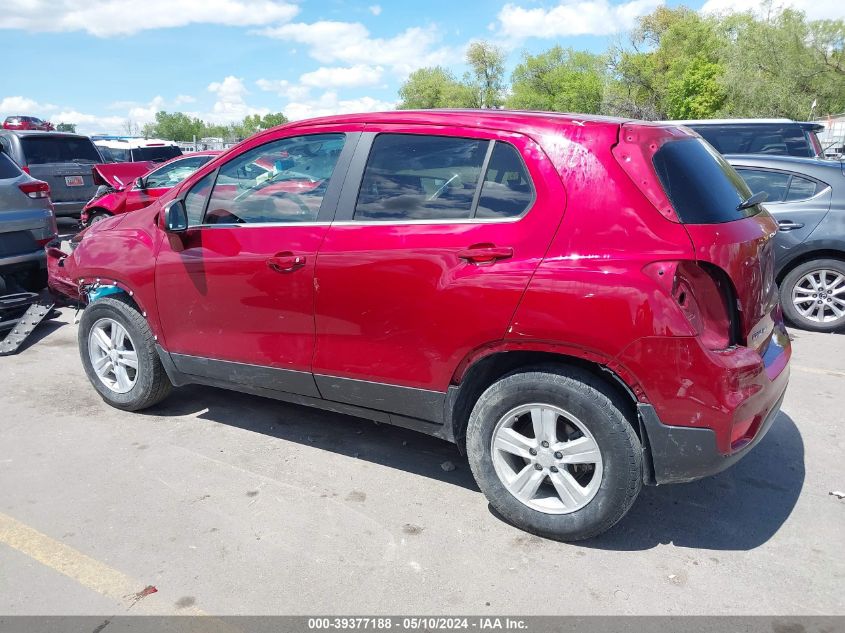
[(487, 73), (434, 88), (561, 80), (253, 123), (780, 65), (674, 54), (174, 126), (66, 127)]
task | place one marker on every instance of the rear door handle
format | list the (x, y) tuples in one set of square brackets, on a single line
[(285, 262), (485, 253), (786, 225)]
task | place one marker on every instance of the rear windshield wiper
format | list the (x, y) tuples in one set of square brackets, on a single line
[(757, 198)]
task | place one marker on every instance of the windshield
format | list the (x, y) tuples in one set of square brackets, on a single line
[(780, 139), (157, 154), (59, 149), (703, 187)]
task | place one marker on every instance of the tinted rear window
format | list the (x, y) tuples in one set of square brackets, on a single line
[(8, 168), (703, 188), (156, 154), (786, 139), (58, 149)]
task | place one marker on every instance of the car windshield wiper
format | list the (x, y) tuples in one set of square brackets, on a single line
[(757, 198)]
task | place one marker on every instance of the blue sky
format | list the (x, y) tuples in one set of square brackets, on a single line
[(100, 64)]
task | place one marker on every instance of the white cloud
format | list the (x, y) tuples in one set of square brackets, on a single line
[(347, 77), (230, 104), (328, 103), (23, 105), (350, 43), (182, 99), (109, 18), (814, 9), (578, 17), (375, 9)]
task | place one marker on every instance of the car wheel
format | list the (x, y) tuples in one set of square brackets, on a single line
[(554, 453), (118, 353), (813, 295), (35, 280), (98, 216)]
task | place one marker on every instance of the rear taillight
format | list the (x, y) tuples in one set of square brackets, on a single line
[(36, 189), (704, 296), (638, 143), (25, 170)]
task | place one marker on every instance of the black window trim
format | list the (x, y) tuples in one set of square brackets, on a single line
[(355, 177), (791, 175), (329, 204)]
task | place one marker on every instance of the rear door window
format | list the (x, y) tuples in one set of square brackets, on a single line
[(780, 186), (155, 154), (39, 150), (419, 177), (702, 186)]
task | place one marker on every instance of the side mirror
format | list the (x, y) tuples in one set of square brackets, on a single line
[(175, 217), (139, 183)]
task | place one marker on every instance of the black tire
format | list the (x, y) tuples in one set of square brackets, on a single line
[(599, 409), (151, 382), (794, 277), (97, 216), (36, 280)]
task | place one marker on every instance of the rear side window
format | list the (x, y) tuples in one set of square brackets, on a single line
[(783, 139), (58, 149), (702, 186), (417, 177), (8, 167), (780, 186)]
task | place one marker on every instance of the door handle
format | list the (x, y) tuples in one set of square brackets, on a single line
[(787, 225), (482, 254), (286, 262)]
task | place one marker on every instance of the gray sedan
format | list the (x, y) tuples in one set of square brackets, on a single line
[(807, 198)]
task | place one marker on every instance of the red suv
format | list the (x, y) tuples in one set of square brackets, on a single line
[(584, 304)]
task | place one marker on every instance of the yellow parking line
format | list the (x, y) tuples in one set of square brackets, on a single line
[(74, 564), (816, 370)]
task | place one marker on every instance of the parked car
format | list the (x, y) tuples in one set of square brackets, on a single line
[(807, 198), (27, 224), (122, 191), (127, 149), (61, 160), (583, 304), (780, 137), (27, 123)]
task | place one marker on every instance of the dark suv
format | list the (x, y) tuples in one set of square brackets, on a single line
[(61, 160), (584, 304), (777, 137)]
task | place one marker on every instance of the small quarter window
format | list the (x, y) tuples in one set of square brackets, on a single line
[(507, 191), (196, 198), (802, 188)]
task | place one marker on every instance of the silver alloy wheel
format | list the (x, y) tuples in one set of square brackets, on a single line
[(113, 356), (819, 296), (546, 458)]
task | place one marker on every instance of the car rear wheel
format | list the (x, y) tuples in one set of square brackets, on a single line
[(118, 353), (554, 453), (813, 295)]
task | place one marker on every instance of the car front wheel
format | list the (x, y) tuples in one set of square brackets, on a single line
[(554, 453), (813, 295), (118, 353)]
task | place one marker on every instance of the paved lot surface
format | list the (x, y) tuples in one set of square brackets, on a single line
[(232, 504)]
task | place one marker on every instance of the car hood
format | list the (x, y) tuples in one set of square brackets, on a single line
[(119, 175)]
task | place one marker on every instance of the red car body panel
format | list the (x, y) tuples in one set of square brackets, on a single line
[(119, 175), (396, 303)]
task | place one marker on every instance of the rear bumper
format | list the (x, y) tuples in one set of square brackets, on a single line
[(678, 454), (65, 209)]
